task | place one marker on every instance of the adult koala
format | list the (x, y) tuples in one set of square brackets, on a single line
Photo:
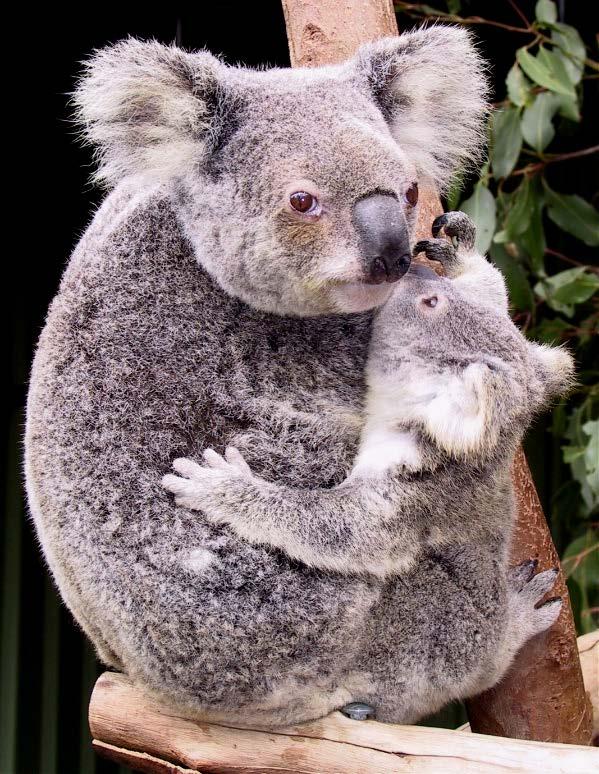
[(222, 295)]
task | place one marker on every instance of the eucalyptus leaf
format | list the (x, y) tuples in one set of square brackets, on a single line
[(507, 141), (540, 72), (569, 41), (555, 65), (581, 560), (518, 214), (564, 290), (532, 239), (568, 107), (545, 11), (481, 208), (591, 456), (518, 86), (537, 127), (574, 215)]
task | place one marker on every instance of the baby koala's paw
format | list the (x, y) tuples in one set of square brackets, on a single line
[(525, 591), (458, 227), (201, 487), (454, 236)]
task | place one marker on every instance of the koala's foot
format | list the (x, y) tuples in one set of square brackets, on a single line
[(457, 232), (525, 591)]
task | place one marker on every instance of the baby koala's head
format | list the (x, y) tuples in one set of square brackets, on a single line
[(445, 360)]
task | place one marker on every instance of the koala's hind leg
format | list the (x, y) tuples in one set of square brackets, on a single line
[(453, 246), (526, 617)]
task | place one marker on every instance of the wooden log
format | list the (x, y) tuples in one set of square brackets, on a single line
[(134, 730), (543, 697)]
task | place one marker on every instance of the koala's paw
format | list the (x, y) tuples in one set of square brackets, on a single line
[(438, 250), (458, 227), (525, 591), (454, 236), (202, 487)]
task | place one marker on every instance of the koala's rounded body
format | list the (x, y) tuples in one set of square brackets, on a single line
[(200, 310)]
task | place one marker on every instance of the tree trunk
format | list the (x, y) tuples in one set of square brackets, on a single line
[(543, 696)]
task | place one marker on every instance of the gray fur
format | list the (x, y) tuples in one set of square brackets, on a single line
[(198, 311)]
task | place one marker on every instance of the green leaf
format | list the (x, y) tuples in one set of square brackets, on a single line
[(545, 11), (520, 292), (591, 457), (572, 453), (518, 87), (581, 560), (568, 107), (568, 39), (481, 208), (537, 128), (541, 72), (520, 205), (577, 437), (555, 65), (574, 215), (507, 141), (532, 239), (564, 290), (454, 6)]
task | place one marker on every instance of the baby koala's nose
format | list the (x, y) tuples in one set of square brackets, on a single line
[(384, 240)]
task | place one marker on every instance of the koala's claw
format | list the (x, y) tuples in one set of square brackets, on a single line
[(526, 592), (437, 250), (519, 576), (458, 226)]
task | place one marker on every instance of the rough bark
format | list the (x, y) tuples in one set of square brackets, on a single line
[(543, 697)]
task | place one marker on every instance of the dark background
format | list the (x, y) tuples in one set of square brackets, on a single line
[(47, 670)]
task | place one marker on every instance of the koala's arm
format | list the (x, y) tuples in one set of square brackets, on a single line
[(477, 278), (362, 525)]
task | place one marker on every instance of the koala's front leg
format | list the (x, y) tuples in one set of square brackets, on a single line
[(352, 528), (454, 247)]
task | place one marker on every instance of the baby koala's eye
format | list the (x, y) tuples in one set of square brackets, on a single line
[(431, 301), (412, 195), (303, 202)]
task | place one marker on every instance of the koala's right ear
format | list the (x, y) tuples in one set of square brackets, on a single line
[(430, 85), (556, 371), (151, 110)]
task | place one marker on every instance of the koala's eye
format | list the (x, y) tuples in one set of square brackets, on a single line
[(431, 301), (302, 201), (412, 194)]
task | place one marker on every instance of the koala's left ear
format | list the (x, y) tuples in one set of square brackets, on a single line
[(431, 86), (152, 110)]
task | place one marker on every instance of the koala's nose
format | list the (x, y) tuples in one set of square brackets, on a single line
[(383, 232)]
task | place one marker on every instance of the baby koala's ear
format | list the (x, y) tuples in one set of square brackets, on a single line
[(430, 85), (151, 110), (556, 371)]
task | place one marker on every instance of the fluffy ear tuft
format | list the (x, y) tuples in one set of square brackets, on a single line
[(431, 86), (556, 371), (151, 110)]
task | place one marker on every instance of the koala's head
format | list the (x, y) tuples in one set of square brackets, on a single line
[(297, 188), (460, 367)]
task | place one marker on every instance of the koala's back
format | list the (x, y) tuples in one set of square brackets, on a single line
[(144, 359)]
